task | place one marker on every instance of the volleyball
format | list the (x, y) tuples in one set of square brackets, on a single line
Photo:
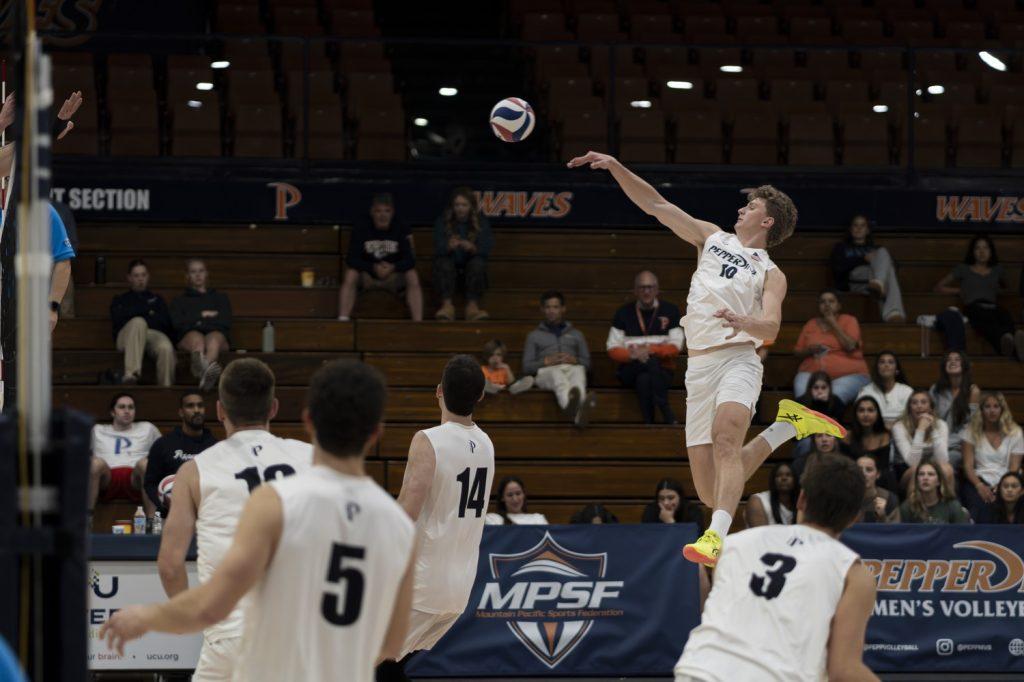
[(512, 119), (165, 487)]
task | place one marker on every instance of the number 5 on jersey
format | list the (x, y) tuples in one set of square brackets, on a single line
[(471, 494)]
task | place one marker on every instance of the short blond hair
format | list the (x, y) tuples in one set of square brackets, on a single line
[(781, 209)]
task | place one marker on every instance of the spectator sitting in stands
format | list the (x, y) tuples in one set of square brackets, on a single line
[(462, 243), (888, 387), (831, 343), (868, 436), (919, 435), (380, 256), (1009, 504), (953, 405), (169, 452), (594, 513), (819, 397), (777, 505), (142, 324), (821, 444), (512, 506), (496, 371), (992, 446), (202, 322), (860, 266), (557, 354), (930, 499), (671, 506), (645, 340), (119, 456), (880, 505), (981, 278)]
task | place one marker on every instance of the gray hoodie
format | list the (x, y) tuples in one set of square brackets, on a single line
[(542, 342)]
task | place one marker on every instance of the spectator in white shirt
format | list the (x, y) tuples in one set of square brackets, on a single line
[(512, 505), (120, 453), (992, 446), (888, 387), (920, 435)]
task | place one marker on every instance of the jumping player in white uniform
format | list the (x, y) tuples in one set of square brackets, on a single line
[(211, 491), (327, 554), (734, 305), (445, 491), (790, 603)]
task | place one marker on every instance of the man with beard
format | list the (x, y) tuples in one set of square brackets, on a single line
[(177, 447)]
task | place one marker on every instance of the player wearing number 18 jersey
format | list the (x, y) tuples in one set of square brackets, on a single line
[(325, 557), (790, 603), (211, 491)]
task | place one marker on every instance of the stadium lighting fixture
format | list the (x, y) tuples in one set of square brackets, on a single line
[(195, 104), (919, 92), (936, 89), (731, 68), (880, 108), (220, 64), (680, 85), (203, 85), (448, 92), (992, 60), (420, 122), (640, 104)]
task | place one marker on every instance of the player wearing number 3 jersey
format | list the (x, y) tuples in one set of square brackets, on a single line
[(324, 558), (734, 305), (790, 603), (445, 491)]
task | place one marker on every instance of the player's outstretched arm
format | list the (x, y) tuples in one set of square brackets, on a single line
[(246, 561), (398, 626), (178, 531), (649, 200), (419, 475), (846, 639)]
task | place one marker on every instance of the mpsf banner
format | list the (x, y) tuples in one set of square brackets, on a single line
[(573, 600), (949, 597)]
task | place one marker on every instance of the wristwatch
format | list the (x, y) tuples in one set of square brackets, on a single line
[(55, 307)]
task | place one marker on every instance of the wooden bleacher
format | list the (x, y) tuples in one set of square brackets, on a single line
[(617, 460)]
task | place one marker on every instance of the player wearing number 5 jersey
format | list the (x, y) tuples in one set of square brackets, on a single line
[(211, 491), (445, 491), (734, 305), (790, 603), (325, 556)]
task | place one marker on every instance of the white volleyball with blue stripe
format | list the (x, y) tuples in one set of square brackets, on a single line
[(512, 119)]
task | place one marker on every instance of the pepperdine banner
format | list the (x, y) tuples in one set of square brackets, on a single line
[(573, 600), (559, 198), (949, 597)]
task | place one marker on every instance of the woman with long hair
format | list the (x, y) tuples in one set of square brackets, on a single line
[(993, 445), (1008, 506), (821, 444), (956, 399), (594, 513), (831, 343), (777, 505), (671, 506), (978, 282), (868, 436), (880, 505), (861, 266), (512, 507), (930, 499), (889, 386), (462, 244), (919, 435)]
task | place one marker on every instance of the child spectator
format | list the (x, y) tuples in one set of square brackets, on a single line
[(930, 499), (920, 435), (202, 321), (496, 371), (594, 513), (956, 399), (777, 505), (880, 505), (671, 506), (819, 397), (831, 343), (868, 436), (993, 446), (462, 243), (888, 387), (1009, 503), (512, 505), (859, 265), (821, 444)]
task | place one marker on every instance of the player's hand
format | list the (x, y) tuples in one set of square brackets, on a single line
[(7, 112), (67, 110), (596, 161), (124, 626), (731, 319)]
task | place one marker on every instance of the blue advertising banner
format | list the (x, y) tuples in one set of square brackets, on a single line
[(573, 600), (949, 597)]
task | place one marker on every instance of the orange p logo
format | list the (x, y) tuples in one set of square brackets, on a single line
[(285, 196)]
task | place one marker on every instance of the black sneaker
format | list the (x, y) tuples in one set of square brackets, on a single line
[(572, 408), (588, 403)]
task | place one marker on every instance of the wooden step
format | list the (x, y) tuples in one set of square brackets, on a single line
[(206, 239), (168, 271), (308, 335)]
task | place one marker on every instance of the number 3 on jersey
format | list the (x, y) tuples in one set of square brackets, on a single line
[(771, 583), (471, 495)]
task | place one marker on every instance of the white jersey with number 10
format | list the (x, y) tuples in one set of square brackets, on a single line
[(451, 523)]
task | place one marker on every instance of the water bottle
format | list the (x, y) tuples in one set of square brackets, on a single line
[(158, 524), (139, 522), (101, 270), (268, 338)]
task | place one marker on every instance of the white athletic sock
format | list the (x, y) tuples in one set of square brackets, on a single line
[(721, 520), (777, 434)]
